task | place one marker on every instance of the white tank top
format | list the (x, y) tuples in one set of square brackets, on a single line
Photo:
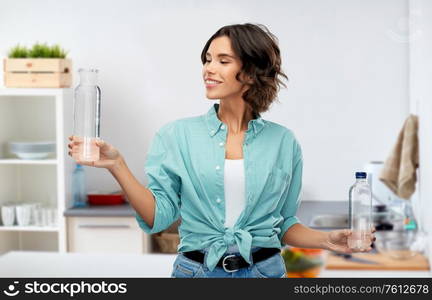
[(234, 181)]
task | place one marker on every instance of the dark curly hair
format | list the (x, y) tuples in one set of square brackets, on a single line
[(259, 53)]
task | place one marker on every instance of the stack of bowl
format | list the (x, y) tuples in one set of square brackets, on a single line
[(396, 244), (32, 150)]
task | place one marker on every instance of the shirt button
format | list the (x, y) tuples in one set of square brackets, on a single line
[(223, 126), (221, 144), (217, 167), (218, 200)]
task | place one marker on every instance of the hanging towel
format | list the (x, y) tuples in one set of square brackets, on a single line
[(399, 170)]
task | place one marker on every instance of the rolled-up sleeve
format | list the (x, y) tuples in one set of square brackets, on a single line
[(291, 195), (164, 183)]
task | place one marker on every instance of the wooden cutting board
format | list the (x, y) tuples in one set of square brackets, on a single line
[(417, 262)]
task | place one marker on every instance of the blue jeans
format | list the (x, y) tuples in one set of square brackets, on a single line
[(272, 267)]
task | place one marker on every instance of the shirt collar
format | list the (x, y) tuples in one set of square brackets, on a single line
[(214, 124)]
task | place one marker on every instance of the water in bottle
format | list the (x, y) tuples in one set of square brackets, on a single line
[(79, 195), (360, 214), (87, 103)]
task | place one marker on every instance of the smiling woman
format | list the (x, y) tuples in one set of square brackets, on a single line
[(232, 177), (249, 54)]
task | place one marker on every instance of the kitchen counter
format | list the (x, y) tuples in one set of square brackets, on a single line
[(52, 264), (309, 209), (306, 211), (374, 273), (123, 210), (20, 264)]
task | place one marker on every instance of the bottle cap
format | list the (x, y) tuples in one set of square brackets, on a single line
[(380, 208), (411, 225), (360, 175)]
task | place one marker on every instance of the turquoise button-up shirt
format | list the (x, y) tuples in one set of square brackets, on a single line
[(185, 171)]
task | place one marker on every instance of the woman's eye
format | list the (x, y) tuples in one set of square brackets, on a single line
[(222, 62)]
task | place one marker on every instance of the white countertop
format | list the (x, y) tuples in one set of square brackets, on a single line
[(53, 264), (18, 264), (374, 274)]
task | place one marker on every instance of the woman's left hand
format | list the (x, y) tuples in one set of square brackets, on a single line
[(337, 240)]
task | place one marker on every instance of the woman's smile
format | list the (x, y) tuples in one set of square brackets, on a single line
[(211, 83)]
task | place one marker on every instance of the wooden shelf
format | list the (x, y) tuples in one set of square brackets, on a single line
[(15, 161)]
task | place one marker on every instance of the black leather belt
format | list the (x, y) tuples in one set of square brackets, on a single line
[(231, 262)]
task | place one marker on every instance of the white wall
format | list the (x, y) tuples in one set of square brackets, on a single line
[(420, 13), (347, 62)]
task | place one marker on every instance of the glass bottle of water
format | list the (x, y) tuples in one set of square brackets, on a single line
[(87, 103), (79, 195), (360, 213)]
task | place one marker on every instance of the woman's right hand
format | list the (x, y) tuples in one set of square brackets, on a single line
[(109, 156)]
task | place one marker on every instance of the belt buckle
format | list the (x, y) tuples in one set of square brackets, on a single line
[(224, 264)]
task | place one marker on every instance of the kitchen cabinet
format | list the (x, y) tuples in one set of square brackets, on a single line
[(35, 115), (106, 235)]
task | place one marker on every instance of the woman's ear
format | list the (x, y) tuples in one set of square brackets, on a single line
[(246, 78), (249, 80)]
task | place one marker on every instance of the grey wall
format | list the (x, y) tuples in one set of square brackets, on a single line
[(347, 62)]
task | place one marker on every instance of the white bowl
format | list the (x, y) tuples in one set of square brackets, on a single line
[(396, 244), (32, 150), (24, 155)]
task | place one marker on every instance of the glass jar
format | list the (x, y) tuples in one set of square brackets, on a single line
[(87, 104)]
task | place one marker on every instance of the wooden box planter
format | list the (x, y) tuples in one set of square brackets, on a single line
[(37, 73)]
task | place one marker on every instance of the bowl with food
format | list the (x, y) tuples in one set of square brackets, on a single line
[(303, 262)]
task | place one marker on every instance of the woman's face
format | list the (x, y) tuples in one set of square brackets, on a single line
[(220, 70)]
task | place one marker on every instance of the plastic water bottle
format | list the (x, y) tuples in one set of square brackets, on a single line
[(360, 213), (79, 195), (87, 103)]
